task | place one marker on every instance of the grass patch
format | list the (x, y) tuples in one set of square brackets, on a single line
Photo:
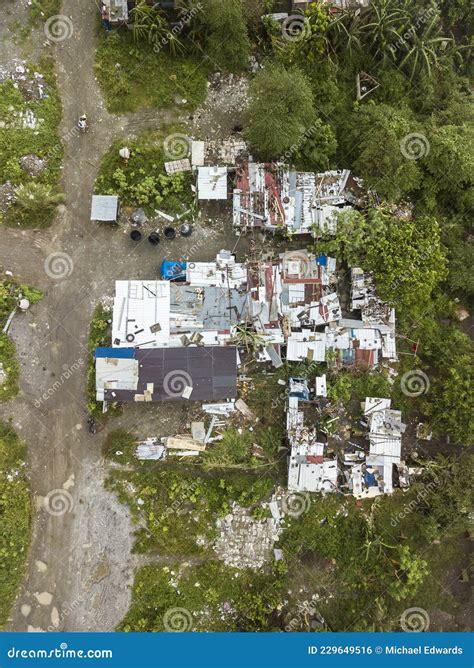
[(142, 181), (41, 10), (18, 140), (214, 597), (135, 77), (9, 368), (15, 517)]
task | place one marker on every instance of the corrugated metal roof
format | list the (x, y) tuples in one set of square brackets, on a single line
[(165, 373), (141, 314), (212, 183)]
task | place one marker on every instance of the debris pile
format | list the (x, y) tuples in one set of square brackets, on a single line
[(245, 542)]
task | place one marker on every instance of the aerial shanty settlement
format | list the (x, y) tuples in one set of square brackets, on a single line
[(183, 337)]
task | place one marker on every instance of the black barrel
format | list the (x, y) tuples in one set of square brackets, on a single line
[(154, 239), (169, 232), (135, 235)]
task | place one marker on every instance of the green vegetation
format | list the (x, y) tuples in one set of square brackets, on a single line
[(228, 46), (31, 128), (179, 503), (214, 598), (15, 517), (9, 368), (277, 95), (136, 76), (395, 551), (41, 10), (385, 551), (142, 181)]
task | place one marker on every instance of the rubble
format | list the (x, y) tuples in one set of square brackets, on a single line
[(245, 542), (32, 164)]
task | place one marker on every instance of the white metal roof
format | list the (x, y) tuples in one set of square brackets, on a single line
[(313, 477), (115, 374), (212, 183), (141, 314), (306, 344), (104, 208)]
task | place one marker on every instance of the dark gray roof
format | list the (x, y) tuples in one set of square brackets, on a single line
[(210, 371)]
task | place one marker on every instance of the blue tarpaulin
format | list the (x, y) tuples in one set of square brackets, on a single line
[(322, 260), (173, 271), (370, 480), (117, 353)]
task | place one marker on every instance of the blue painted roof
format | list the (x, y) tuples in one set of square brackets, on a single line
[(117, 353)]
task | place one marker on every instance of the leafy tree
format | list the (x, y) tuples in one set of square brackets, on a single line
[(280, 112), (452, 391), (308, 41), (318, 148), (374, 137), (450, 158), (406, 257), (228, 45)]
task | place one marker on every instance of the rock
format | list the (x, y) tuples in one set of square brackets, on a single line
[(41, 567), (25, 610), (45, 598)]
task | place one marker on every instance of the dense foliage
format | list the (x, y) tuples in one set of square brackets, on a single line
[(15, 517)]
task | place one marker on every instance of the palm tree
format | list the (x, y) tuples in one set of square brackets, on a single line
[(344, 33), (148, 23), (388, 20), (424, 50), (34, 197)]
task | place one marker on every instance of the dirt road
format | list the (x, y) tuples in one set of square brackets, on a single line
[(80, 567)]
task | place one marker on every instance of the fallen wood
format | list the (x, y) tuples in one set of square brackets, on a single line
[(183, 443), (242, 407)]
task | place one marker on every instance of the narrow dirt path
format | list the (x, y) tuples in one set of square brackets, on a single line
[(80, 566)]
